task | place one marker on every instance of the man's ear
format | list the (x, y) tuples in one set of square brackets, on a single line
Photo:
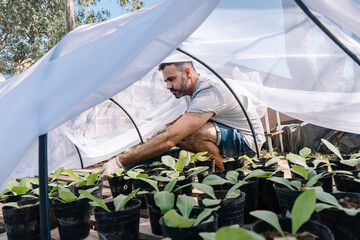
[(187, 70)]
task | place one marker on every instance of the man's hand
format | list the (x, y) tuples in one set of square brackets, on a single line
[(111, 166)]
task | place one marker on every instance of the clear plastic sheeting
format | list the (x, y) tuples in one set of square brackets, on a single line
[(268, 51)]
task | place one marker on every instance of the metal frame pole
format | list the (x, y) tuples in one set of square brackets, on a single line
[(43, 186)]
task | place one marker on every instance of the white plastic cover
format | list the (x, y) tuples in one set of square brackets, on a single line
[(269, 51)]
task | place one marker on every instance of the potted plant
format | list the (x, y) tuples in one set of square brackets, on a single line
[(72, 212), (203, 161), (288, 190), (119, 183), (233, 163), (22, 219), (298, 226), (340, 212), (118, 219), (231, 202), (15, 190), (188, 222)]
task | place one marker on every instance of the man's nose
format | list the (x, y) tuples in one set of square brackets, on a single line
[(168, 85)]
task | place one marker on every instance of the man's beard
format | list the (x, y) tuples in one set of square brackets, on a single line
[(178, 93)]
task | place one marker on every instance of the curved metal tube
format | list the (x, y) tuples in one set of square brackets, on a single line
[(322, 27), (137, 129), (81, 161), (233, 93)]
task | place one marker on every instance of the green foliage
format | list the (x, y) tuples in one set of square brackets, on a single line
[(231, 233), (30, 28), (15, 188), (301, 212), (185, 205), (354, 158), (83, 179)]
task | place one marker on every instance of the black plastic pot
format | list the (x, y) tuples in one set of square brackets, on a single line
[(119, 185), (123, 224), (349, 184), (155, 212), (192, 232), (342, 225), (209, 163), (268, 199), (22, 224), (233, 165), (73, 219), (313, 227), (339, 166), (287, 197), (186, 190), (231, 210), (137, 183)]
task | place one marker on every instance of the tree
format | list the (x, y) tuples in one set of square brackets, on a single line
[(30, 28)]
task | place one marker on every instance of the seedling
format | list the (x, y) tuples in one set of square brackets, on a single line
[(83, 179), (119, 202), (231, 233), (354, 158), (15, 188), (185, 204), (309, 175), (329, 201), (301, 212)]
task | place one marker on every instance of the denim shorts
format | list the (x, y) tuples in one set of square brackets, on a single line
[(231, 142)]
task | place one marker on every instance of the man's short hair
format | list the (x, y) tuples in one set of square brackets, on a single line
[(180, 66)]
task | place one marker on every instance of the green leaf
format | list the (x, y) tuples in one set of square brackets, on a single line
[(272, 161), (57, 173), (97, 201), (351, 212), (20, 190), (350, 162), (214, 180), (332, 148), (282, 181), (26, 182), (257, 173), (232, 176), (296, 159), (185, 204), (302, 209), (168, 161), (90, 180), (204, 214), (181, 163), (119, 172), (300, 170), (153, 183), (211, 202), (205, 189), (121, 200), (327, 198), (162, 179), (233, 191), (321, 206), (72, 174), (304, 152), (207, 235), (169, 187), (297, 184), (11, 204), (173, 219), (67, 196), (197, 170), (164, 200), (314, 179), (233, 233), (268, 217), (198, 155)]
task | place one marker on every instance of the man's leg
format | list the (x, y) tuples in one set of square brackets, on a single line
[(204, 140)]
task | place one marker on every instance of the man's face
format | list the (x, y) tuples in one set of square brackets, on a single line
[(176, 82)]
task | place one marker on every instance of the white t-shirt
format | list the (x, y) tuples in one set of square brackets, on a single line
[(214, 96)]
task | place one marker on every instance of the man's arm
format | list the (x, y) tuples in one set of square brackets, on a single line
[(185, 126)]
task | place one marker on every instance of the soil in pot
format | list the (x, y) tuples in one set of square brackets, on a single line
[(305, 232), (349, 184), (231, 211), (23, 223), (123, 224), (73, 219), (191, 232), (119, 185), (342, 225)]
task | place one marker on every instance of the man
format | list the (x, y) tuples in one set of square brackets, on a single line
[(213, 123)]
